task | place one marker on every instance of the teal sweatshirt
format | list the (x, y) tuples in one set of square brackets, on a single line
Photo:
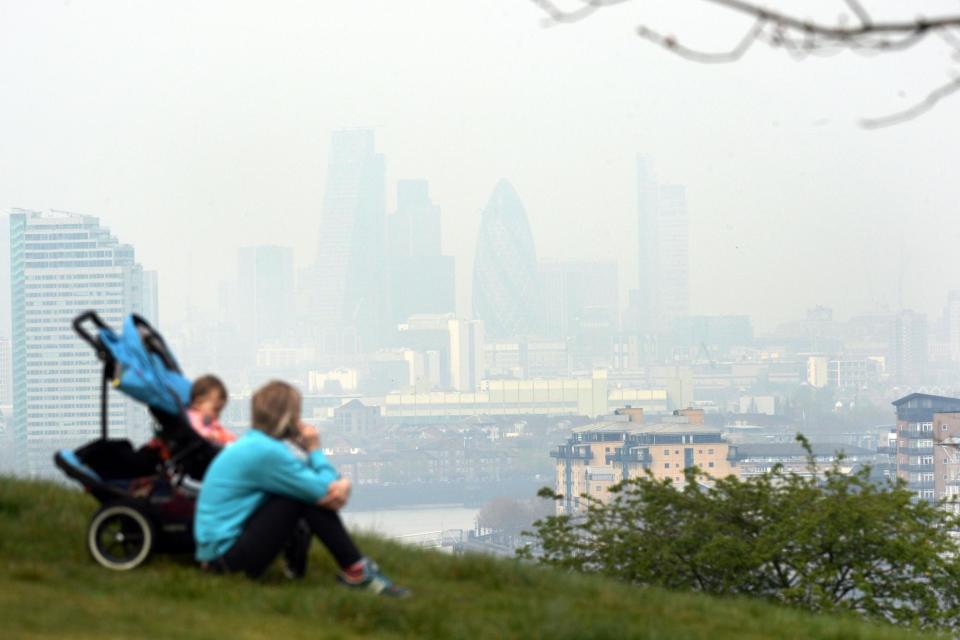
[(239, 480)]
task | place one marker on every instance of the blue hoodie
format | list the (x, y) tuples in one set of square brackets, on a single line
[(240, 479)]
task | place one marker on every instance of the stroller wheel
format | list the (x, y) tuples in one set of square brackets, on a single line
[(120, 537)]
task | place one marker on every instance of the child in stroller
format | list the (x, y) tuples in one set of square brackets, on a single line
[(147, 497), (208, 395)]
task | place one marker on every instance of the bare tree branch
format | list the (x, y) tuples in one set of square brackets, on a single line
[(561, 16), (866, 25), (841, 32), (732, 55), (801, 38), (918, 109), (859, 11)]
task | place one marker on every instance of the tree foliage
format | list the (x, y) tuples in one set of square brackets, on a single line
[(819, 541)]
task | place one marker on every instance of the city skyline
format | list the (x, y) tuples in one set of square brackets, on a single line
[(777, 222)]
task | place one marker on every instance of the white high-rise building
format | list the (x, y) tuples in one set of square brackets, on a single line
[(63, 264), (663, 291), (458, 343), (466, 353), (6, 374)]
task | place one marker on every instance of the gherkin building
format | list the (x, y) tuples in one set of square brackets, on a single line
[(506, 293)]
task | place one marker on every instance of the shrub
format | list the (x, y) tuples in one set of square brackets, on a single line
[(825, 541)]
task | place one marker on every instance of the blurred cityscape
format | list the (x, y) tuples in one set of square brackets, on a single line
[(553, 379)]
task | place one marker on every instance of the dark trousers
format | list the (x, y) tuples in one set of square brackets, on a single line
[(285, 524)]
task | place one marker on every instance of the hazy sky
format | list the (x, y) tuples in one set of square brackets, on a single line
[(194, 128)]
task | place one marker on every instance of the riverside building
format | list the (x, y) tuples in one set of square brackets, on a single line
[(602, 454), (916, 436)]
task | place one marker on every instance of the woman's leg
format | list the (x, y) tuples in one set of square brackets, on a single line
[(272, 527), (328, 526), (264, 536)]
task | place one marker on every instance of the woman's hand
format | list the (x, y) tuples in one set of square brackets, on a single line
[(338, 492), (308, 439)]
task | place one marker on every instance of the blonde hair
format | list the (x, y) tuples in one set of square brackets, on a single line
[(275, 409)]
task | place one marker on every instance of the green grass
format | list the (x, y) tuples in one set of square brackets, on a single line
[(50, 588)]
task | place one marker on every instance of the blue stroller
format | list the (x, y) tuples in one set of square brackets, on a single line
[(147, 495)]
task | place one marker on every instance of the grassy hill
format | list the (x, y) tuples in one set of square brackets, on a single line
[(50, 588)]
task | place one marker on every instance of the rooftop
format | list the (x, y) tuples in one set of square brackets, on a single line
[(639, 427), (930, 399), (794, 450)]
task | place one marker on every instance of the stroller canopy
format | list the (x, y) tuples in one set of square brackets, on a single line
[(143, 366)]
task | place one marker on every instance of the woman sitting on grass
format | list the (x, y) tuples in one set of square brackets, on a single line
[(259, 498)]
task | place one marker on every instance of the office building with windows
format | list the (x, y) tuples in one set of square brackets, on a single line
[(343, 291), (420, 279), (63, 264), (602, 454), (663, 292), (916, 440)]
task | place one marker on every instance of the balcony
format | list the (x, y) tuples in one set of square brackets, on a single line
[(632, 456), (915, 451), (915, 467), (567, 452)]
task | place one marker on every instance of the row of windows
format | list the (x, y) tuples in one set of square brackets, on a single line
[(77, 243), (74, 289), (63, 254), (33, 277), (75, 264), (666, 465), (666, 452)]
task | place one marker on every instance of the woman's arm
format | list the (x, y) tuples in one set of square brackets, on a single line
[(314, 480), (281, 472), (338, 491)]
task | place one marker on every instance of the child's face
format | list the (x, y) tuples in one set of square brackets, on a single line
[(210, 404)]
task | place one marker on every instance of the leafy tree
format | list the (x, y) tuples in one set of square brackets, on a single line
[(823, 542)]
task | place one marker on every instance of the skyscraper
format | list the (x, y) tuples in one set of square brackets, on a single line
[(506, 296), (265, 295), (574, 290), (62, 264), (953, 324), (910, 348), (421, 280), (580, 301), (414, 228), (664, 279), (345, 288), (6, 373)]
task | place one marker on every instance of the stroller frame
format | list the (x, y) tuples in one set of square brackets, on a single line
[(147, 498)]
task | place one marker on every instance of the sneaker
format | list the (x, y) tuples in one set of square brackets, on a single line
[(373, 580)]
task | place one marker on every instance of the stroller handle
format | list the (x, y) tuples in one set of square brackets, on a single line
[(93, 341)]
